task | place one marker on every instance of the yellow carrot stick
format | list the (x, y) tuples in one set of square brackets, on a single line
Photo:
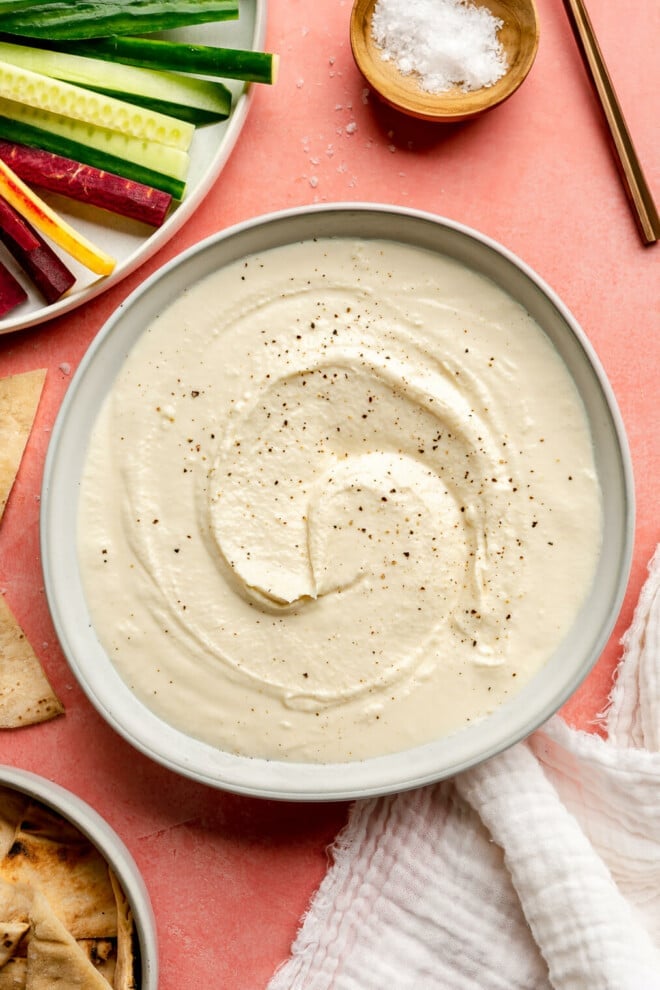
[(41, 216)]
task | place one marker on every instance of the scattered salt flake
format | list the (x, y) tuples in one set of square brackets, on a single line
[(364, 96), (445, 43), (313, 181), (330, 150), (300, 83), (339, 106), (391, 147), (314, 161), (351, 127), (331, 60), (65, 368)]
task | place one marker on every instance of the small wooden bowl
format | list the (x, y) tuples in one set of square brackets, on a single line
[(519, 36)]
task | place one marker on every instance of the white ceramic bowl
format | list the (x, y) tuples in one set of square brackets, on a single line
[(546, 692), (108, 843)]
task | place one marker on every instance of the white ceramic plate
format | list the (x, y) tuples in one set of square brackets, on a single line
[(279, 779), (132, 243), (97, 830)]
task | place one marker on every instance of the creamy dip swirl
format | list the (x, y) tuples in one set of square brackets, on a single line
[(340, 501)]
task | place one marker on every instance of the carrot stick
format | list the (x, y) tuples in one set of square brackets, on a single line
[(11, 291), (39, 262), (86, 184), (36, 211), (16, 228)]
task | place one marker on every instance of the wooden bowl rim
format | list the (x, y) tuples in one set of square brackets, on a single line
[(402, 92)]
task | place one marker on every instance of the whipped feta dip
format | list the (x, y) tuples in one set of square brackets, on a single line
[(340, 501)]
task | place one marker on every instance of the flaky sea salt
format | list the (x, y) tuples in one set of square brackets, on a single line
[(445, 43)]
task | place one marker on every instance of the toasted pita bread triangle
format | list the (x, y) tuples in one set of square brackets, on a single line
[(14, 974), (125, 972), (102, 953), (65, 921), (11, 933), (15, 905), (19, 399), (12, 806), (15, 901), (26, 696), (70, 872), (54, 959)]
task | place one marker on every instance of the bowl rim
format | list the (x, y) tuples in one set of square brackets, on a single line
[(291, 780), (95, 828)]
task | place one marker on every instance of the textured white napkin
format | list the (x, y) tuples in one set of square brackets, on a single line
[(539, 869)]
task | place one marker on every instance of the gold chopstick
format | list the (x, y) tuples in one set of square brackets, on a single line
[(632, 175)]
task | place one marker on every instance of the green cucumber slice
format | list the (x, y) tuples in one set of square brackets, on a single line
[(205, 60), (195, 100), (46, 93), (59, 19), (147, 162)]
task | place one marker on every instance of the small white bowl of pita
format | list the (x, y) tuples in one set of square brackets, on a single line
[(74, 910)]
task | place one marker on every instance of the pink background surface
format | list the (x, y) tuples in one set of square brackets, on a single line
[(230, 877)]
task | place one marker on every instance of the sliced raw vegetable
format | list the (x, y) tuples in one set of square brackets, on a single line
[(199, 101), (86, 184), (145, 161), (45, 93), (11, 6), (40, 263), (12, 292), (193, 115), (207, 60), (15, 227), (102, 18), (37, 212)]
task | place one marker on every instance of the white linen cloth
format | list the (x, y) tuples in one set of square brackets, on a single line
[(538, 869)]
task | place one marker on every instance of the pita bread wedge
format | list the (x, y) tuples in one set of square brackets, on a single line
[(102, 953), (65, 921), (44, 823), (15, 904), (70, 872), (125, 972), (54, 959), (11, 935), (14, 974), (15, 901), (26, 696), (12, 807), (19, 399)]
